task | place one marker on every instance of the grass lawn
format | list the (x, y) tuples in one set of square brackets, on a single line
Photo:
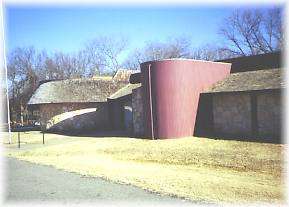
[(198, 169)]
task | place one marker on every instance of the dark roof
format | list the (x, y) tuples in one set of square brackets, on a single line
[(248, 81), (242, 64), (76, 90), (255, 62), (135, 78), (126, 90)]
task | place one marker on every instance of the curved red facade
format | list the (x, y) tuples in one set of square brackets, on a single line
[(172, 89)]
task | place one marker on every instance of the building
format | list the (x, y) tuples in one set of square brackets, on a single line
[(75, 105), (245, 105), (238, 98), (120, 109)]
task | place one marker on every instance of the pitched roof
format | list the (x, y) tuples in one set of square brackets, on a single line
[(251, 80), (76, 91), (123, 75), (126, 90)]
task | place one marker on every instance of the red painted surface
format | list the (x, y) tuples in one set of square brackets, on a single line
[(172, 89)]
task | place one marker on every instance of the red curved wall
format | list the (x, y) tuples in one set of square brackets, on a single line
[(172, 89)]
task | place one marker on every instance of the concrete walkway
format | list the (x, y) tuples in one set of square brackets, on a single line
[(27, 182)]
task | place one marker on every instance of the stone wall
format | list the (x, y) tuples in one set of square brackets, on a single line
[(138, 111), (232, 114), (127, 109), (269, 114), (115, 115), (74, 117), (120, 114), (254, 116)]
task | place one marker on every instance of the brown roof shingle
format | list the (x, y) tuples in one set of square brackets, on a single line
[(248, 81), (75, 91)]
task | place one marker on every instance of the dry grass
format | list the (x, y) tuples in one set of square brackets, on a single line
[(194, 168)]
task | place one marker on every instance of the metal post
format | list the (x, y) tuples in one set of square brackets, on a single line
[(42, 130), (18, 139), (3, 52), (151, 102), (43, 137)]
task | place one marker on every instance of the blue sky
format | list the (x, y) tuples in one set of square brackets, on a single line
[(68, 28)]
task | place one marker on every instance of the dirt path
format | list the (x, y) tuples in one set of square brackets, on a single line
[(30, 182)]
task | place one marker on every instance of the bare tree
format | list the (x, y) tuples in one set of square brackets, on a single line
[(26, 67), (211, 53), (64, 66), (253, 32), (102, 54), (134, 60), (22, 77), (172, 48)]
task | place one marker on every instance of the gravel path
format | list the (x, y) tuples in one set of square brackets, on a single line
[(31, 182)]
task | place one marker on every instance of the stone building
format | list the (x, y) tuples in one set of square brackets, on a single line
[(245, 105), (75, 105)]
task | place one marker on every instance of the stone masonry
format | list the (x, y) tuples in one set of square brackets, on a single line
[(138, 111), (269, 114), (232, 114), (97, 117)]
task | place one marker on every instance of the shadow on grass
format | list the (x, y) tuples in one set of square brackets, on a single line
[(245, 138), (97, 133), (126, 134)]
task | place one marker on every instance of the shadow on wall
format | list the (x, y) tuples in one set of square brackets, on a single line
[(90, 122), (79, 121), (206, 126)]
